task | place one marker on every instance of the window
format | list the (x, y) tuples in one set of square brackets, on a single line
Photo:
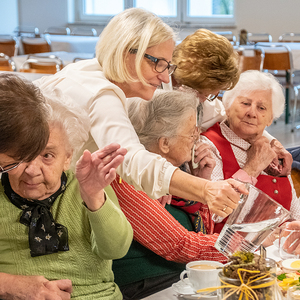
[(183, 12)]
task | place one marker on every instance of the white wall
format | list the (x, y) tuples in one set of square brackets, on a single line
[(272, 16), (8, 16)]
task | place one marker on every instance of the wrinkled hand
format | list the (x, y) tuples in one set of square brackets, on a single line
[(17, 287), (222, 197), (286, 157), (290, 240), (97, 170), (204, 159), (165, 200), (259, 156)]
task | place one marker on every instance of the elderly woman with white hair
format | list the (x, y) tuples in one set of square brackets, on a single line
[(165, 238), (239, 147), (59, 234)]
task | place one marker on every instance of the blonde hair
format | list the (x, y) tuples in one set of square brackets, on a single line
[(206, 61), (134, 28), (163, 116)]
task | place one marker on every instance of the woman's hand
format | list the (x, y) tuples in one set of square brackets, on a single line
[(97, 170), (33, 288), (283, 155), (206, 163), (222, 197), (165, 200), (259, 156)]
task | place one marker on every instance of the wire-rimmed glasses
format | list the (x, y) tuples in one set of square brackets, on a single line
[(9, 167)]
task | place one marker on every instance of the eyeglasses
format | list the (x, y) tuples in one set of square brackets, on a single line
[(160, 64), (212, 97), (9, 167), (194, 137)]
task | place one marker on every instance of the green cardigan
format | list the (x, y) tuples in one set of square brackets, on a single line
[(95, 238), (141, 263)]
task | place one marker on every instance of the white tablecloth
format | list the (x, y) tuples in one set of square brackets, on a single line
[(168, 294), (72, 43), (66, 57), (28, 76)]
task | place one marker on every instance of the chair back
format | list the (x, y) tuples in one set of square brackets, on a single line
[(84, 31), (228, 34), (251, 59), (278, 60), (289, 37), (6, 63), (8, 45), (42, 64), (28, 31), (254, 38), (58, 30), (36, 45)]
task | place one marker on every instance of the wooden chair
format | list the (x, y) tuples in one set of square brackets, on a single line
[(254, 38), (281, 61), (58, 30), (42, 64), (228, 34), (295, 174), (84, 31), (289, 37), (6, 63), (36, 45), (251, 59), (8, 45)]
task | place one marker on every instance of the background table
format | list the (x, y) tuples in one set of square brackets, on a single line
[(73, 43), (66, 57), (28, 76)]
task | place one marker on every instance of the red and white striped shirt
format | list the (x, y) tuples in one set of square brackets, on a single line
[(156, 229)]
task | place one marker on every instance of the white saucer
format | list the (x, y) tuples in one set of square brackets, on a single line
[(184, 290)]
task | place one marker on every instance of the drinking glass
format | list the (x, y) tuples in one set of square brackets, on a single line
[(289, 242), (251, 222)]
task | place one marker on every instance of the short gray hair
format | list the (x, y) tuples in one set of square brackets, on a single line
[(134, 28), (162, 116), (254, 80), (70, 117)]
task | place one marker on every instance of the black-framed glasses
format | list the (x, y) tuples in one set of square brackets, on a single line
[(160, 64), (9, 167)]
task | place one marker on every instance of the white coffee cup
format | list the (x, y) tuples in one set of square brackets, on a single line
[(202, 274)]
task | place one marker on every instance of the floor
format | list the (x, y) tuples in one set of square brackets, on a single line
[(282, 132)]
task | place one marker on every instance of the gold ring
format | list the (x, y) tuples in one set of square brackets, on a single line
[(225, 207)]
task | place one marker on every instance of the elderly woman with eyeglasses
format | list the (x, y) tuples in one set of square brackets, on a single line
[(59, 233), (133, 59), (239, 147), (165, 239)]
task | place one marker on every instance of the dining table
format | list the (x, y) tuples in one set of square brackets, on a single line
[(64, 56), (28, 76), (73, 43), (170, 293)]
